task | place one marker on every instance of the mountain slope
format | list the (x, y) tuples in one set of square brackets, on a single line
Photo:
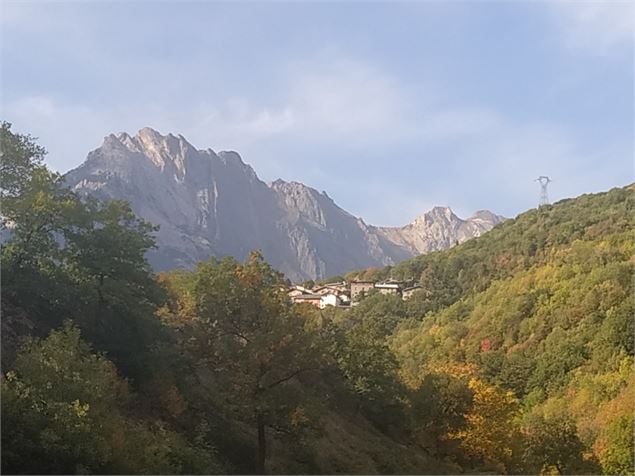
[(209, 203), (541, 306)]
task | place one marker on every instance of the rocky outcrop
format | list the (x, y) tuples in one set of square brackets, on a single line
[(213, 204), (439, 229)]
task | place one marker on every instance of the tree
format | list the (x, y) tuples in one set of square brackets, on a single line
[(117, 291), (553, 444), (65, 410), (36, 217), (35, 211), (68, 257), (56, 406), (251, 346), (309, 284), (20, 157), (380, 312), (616, 446), (369, 366), (490, 430), (438, 409)]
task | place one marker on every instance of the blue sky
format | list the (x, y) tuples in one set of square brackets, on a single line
[(391, 108)]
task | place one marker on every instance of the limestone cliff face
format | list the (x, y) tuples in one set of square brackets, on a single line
[(213, 204), (205, 203)]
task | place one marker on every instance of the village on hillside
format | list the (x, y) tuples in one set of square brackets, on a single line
[(344, 294)]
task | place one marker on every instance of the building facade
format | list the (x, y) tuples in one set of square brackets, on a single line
[(360, 288)]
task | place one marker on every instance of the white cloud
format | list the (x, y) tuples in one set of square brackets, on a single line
[(235, 124), (348, 99), (62, 129), (327, 101), (596, 26)]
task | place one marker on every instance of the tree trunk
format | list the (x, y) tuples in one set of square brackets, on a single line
[(262, 444)]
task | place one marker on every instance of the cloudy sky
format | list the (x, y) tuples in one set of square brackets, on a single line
[(389, 107)]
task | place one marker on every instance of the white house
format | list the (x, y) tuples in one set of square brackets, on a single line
[(329, 300), (388, 288)]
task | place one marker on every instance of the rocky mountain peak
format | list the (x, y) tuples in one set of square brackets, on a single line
[(148, 143), (233, 159), (445, 212), (300, 200), (161, 149), (149, 137), (437, 214), (486, 215), (230, 157), (214, 204), (148, 133)]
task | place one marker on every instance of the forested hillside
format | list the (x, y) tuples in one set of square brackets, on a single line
[(108, 368), (542, 306), (515, 357)]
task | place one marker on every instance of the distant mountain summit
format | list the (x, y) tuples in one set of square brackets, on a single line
[(213, 204), (439, 229)]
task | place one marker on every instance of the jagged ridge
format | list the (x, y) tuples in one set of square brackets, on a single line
[(209, 203)]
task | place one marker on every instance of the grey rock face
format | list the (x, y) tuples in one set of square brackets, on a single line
[(213, 204), (440, 229)]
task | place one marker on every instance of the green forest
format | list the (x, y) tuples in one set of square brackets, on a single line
[(514, 357)]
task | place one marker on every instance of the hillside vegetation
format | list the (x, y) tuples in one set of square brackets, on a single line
[(515, 357), (542, 306), (108, 368)]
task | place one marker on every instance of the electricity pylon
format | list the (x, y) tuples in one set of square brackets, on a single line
[(544, 181)]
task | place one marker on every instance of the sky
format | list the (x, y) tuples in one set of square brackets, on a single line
[(390, 107)]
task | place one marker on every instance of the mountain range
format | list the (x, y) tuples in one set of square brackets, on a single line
[(213, 204)]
